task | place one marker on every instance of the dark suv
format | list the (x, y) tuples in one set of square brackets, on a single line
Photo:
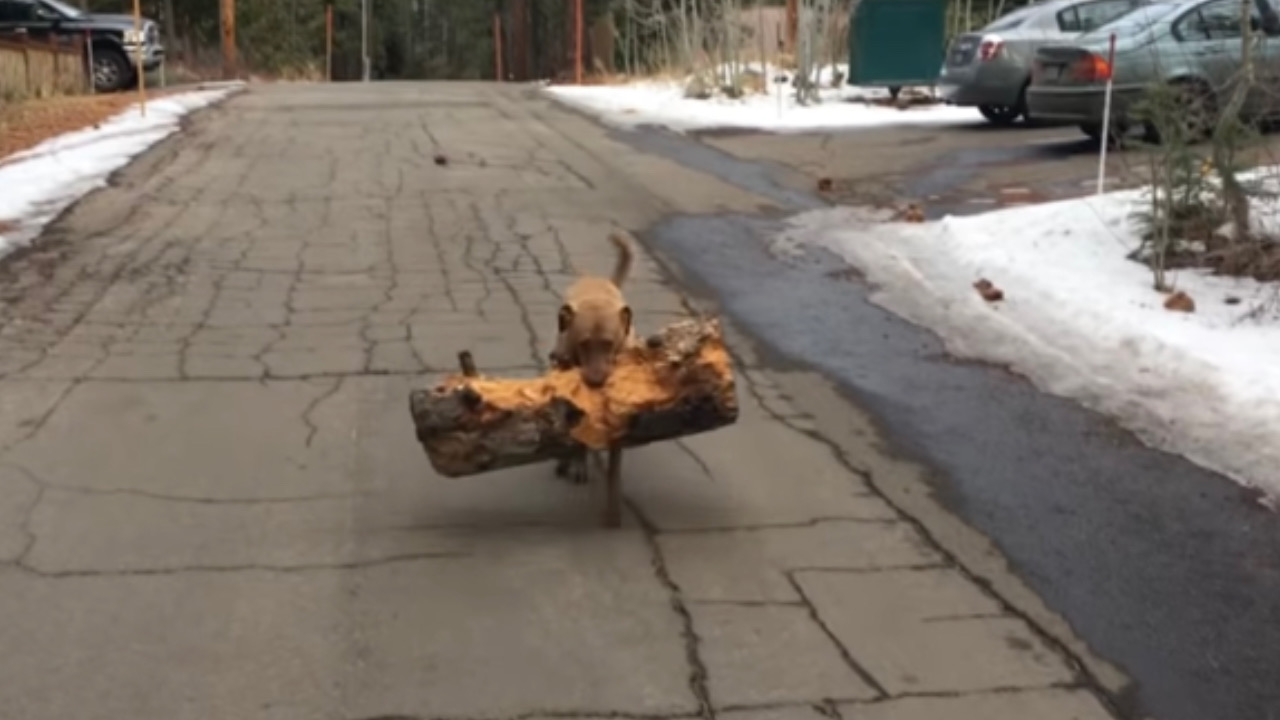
[(115, 43)]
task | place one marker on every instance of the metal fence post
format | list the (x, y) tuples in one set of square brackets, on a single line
[(88, 49)]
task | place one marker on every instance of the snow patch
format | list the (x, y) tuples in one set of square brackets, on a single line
[(1082, 321), (42, 181), (662, 103)]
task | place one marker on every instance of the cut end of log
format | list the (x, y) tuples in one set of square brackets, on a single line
[(677, 383)]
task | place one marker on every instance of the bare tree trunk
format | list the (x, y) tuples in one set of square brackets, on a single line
[(170, 25), (1227, 133)]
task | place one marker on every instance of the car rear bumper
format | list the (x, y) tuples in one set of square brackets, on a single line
[(1081, 105), (994, 84)]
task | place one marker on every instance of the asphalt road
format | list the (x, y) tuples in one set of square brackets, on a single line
[(1166, 570), (212, 503)]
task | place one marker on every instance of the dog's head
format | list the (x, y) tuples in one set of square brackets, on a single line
[(595, 334)]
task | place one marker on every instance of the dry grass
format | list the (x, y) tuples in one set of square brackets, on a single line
[(26, 124)]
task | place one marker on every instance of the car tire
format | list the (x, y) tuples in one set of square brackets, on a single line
[(1201, 112), (1201, 109), (1117, 133), (111, 70), (1006, 115), (1001, 115)]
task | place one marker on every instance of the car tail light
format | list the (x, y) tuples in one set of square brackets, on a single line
[(1093, 68), (990, 48)]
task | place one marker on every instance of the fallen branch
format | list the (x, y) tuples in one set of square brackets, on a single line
[(678, 383)]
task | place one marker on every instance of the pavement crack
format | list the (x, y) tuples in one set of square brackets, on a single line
[(247, 567), (949, 559), (521, 306), (468, 261), (954, 694), (28, 533), (748, 603), (813, 522), (873, 570), (697, 459), (442, 260), (849, 659), (43, 420), (828, 708), (574, 714), (692, 643), (314, 405), (1109, 700), (963, 617), (825, 707), (44, 484)]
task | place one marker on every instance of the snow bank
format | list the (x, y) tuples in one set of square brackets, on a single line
[(41, 182), (663, 103), (1082, 321)]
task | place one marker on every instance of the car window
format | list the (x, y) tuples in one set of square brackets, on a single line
[(1136, 21), (1217, 20), (1089, 16), (17, 11), (64, 9), (1008, 22)]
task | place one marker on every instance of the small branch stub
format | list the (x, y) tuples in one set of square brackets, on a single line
[(677, 383)]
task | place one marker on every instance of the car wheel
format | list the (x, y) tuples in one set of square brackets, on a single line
[(1000, 114), (111, 71), (1199, 114), (1117, 133), (1005, 115)]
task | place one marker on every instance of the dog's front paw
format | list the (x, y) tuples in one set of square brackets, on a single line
[(573, 469)]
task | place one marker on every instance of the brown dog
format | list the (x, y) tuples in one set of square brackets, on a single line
[(594, 326), (595, 320)]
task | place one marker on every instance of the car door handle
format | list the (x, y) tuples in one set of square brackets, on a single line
[(20, 31), (1208, 51)]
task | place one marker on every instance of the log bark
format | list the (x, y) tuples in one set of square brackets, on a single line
[(677, 383)]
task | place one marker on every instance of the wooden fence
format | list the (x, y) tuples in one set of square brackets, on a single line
[(30, 69)]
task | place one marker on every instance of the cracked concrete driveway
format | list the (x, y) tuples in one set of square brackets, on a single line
[(212, 504)]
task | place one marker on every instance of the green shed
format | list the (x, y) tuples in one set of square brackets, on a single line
[(895, 43)]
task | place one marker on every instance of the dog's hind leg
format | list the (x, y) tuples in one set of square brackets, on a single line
[(613, 489)]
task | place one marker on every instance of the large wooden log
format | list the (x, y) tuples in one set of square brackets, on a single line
[(677, 383)]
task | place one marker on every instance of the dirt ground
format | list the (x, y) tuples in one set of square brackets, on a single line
[(26, 124)]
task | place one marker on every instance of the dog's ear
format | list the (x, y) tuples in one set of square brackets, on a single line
[(565, 318), (625, 315)]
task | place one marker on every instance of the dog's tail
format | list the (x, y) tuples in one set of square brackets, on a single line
[(626, 254)]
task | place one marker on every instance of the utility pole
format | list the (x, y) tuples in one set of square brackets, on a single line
[(328, 42), (364, 39), (497, 46), (228, 39), (793, 21), (577, 42), (137, 60)]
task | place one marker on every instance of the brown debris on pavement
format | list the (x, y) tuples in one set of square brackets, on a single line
[(988, 291)]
